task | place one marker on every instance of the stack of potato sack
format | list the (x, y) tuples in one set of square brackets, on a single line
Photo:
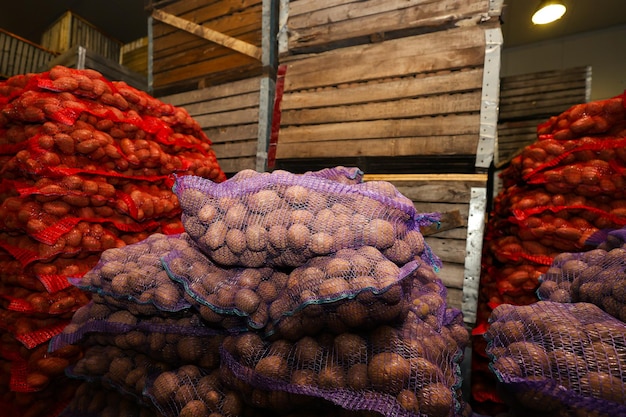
[(558, 192), (566, 354), (287, 294), (85, 165)]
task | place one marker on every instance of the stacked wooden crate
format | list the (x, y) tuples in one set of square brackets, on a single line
[(20, 56), (407, 91), (218, 60), (528, 100)]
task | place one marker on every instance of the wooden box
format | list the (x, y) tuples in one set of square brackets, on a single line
[(20, 56), (134, 56), (80, 58), (70, 30), (233, 117), (388, 85), (185, 54), (457, 240)]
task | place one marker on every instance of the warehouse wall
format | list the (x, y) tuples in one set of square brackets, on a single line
[(602, 49)]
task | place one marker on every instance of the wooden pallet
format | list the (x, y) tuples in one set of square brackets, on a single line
[(457, 243)]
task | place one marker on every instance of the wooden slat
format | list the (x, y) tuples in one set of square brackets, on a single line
[(328, 25), (448, 220), (209, 34), (397, 109), (219, 105), (234, 165), (233, 133), (231, 118), (454, 298), (451, 49), (210, 93), (451, 274), (383, 129), (234, 149), (450, 82), (448, 250), (400, 146)]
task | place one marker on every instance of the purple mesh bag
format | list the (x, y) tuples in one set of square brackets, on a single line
[(234, 298), (597, 276), (92, 399), (133, 274), (179, 339), (125, 371), (283, 220), (403, 370), (560, 357), (341, 174), (193, 391)]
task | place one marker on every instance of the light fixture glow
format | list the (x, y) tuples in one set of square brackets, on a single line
[(548, 11)]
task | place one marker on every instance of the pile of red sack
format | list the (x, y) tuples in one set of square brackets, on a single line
[(86, 165)]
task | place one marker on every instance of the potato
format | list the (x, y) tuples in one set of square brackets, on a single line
[(264, 201), (378, 233), (435, 400), (194, 408), (236, 240), (164, 387), (215, 235), (532, 355), (602, 385), (408, 400), (322, 243), (332, 376), (307, 350), (389, 372), (256, 237), (350, 347), (353, 313), (304, 377), (274, 367), (297, 196), (357, 378), (247, 301), (333, 287), (298, 236)]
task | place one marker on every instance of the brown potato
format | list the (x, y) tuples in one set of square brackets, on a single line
[(298, 236), (332, 376), (378, 233), (435, 400), (247, 301), (333, 287), (194, 408), (256, 237), (307, 350), (389, 372), (408, 400), (264, 201), (350, 347), (275, 367), (164, 387), (236, 240)]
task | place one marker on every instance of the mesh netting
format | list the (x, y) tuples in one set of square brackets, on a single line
[(403, 370), (94, 400), (134, 273), (283, 219), (596, 276), (555, 356)]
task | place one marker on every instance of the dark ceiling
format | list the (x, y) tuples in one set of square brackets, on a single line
[(126, 20)]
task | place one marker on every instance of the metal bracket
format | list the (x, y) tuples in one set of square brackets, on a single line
[(473, 252), (490, 99)]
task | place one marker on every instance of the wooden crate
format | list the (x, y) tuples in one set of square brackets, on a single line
[(415, 96), (230, 116), (530, 99), (20, 56), (71, 30), (459, 198), (199, 44), (80, 58), (134, 56)]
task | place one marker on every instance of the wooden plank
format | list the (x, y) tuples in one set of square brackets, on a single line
[(209, 34), (448, 220), (398, 146), (231, 118), (329, 25), (243, 24), (442, 207), (398, 109), (460, 233), (234, 165), (454, 298), (452, 275), (232, 133), (234, 149), (210, 93), (208, 12), (450, 49), (450, 82), (402, 179), (557, 92), (448, 250), (440, 191), (462, 124), (220, 105)]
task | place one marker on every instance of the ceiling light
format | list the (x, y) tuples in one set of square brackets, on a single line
[(548, 11)]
